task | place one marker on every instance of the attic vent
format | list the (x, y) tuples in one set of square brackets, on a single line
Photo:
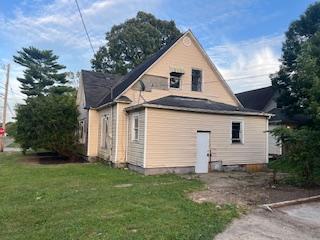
[(186, 41)]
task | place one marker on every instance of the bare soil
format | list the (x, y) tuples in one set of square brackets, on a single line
[(246, 189), (49, 158)]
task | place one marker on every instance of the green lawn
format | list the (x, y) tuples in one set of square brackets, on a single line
[(87, 201)]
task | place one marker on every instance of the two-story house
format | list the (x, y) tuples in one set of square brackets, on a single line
[(172, 113)]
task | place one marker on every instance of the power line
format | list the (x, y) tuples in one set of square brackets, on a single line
[(252, 76), (88, 37), (84, 26), (111, 88)]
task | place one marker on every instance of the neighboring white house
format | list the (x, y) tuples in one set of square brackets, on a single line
[(172, 113)]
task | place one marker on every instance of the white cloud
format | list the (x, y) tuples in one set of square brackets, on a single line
[(59, 22), (247, 65), (58, 26)]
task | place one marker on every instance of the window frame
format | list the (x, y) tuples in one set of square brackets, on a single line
[(134, 128), (202, 74), (180, 82), (82, 131), (104, 131), (241, 132)]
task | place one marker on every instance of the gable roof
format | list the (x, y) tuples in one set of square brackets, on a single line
[(215, 69), (256, 99), (96, 85), (197, 105), (130, 77), (121, 84)]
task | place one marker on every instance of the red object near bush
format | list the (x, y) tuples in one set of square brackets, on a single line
[(2, 131)]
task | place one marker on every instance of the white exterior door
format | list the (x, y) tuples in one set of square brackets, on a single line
[(203, 152)]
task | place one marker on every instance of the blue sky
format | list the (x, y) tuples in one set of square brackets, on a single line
[(243, 37)]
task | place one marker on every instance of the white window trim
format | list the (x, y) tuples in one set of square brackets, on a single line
[(135, 116), (102, 130), (117, 129), (241, 131), (145, 137), (202, 79)]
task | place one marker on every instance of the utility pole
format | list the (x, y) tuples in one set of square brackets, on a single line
[(4, 113)]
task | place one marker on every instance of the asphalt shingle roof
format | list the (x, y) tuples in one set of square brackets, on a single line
[(256, 99), (197, 103), (129, 78), (97, 85)]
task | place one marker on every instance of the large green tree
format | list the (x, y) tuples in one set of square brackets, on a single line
[(48, 118), (293, 91), (42, 73), (48, 122), (298, 83), (130, 43)]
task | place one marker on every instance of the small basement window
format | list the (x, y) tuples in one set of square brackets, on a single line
[(175, 79), (236, 132), (135, 128), (196, 80)]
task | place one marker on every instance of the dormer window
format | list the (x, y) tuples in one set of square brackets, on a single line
[(175, 79)]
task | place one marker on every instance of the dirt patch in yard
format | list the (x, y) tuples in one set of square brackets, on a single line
[(246, 189), (48, 158)]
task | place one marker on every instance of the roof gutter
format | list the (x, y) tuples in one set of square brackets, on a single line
[(198, 110), (110, 104), (104, 105)]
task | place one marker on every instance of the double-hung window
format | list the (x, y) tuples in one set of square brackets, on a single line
[(135, 127), (196, 81), (237, 132)]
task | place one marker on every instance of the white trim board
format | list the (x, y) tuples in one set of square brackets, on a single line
[(145, 137)]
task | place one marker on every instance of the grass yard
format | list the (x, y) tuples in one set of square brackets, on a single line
[(93, 201)]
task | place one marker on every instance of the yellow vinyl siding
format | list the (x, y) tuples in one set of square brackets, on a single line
[(93, 132), (185, 58), (122, 132), (136, 147), (171, 138)]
